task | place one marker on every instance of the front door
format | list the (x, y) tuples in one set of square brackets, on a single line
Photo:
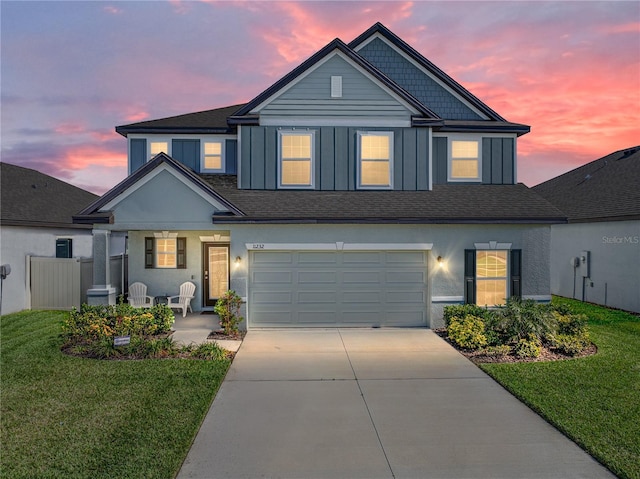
[(215, 271)]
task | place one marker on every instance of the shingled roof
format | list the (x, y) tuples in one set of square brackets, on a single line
[(225, 120), (444, 204), (202, 122), (31, 198), (607, 189)]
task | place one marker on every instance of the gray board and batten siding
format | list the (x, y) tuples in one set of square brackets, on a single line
[(311, 96), (185, 150), (412, 79), (498, 160), (335, 158)]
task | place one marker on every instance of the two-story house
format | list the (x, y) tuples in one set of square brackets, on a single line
[(364, 188)]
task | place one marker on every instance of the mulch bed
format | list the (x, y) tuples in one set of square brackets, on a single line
[(547, 354), (220, 335)]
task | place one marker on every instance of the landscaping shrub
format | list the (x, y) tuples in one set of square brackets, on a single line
[(462, 310), (572, 335), (523, 320), (208, 351), (467, 332), (92, 330), (520, 327), (530, 347), (228, 309)]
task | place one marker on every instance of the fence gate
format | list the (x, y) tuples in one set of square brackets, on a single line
[(55, 283)]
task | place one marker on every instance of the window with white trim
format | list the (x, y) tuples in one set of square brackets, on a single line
[(158, 146), (212, 160), (375, 159), (465, 159), (491, 277), (296, 152)]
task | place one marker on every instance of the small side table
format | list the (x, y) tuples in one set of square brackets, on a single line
[(160, 300)]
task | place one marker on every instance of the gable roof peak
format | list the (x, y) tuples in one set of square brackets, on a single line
[(417, 57), (346, 50)]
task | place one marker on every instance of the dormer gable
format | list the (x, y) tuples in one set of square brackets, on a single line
[(309, 87), (420, 77)]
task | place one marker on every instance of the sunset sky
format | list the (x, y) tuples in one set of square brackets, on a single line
[(71, 71)]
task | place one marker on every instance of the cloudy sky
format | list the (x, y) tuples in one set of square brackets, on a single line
[(71, 71)]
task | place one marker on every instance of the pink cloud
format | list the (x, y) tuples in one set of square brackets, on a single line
[(113, 10)]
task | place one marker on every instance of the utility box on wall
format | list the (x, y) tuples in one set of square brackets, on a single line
[(64, 248), (584, 264)]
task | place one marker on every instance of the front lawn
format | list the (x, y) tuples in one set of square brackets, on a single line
[(594, 400), (72, 417)]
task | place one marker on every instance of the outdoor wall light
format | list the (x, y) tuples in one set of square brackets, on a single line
[(238, 261), (441, 261)]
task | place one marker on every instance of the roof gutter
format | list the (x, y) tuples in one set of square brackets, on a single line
[(245, 220)]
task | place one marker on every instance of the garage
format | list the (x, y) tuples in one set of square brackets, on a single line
[(337, 288)]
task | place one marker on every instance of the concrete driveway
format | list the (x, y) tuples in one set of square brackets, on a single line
[(375, 403)]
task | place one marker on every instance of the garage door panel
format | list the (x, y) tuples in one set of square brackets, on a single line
[(412, 257), (310, 318), (361, 277), (276, 258), (306, 297), (272, 297), (362, 258), (315, 277), (361, 297), (405, 297), (269, 277), (312, 257), (406, 277), (344, 288)]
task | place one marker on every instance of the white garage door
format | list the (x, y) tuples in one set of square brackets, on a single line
[(345, 288)]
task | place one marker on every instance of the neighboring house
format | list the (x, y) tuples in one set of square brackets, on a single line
[(36, 219), (364, 188), (596, 256)]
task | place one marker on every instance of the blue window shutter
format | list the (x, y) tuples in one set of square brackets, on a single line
[(148, 252), (516, 272), (470, 276), (137, 153), (231, 160), (187, 152), (181, 262)]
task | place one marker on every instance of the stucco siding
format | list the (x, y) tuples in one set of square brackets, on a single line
[(444, 284), (614, 257), (18, 242), (163, 199)]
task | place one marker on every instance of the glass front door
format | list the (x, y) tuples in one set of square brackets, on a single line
[(215, 272)]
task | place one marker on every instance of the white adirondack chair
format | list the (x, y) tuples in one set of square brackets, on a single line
[(183, 300), (138, 296)]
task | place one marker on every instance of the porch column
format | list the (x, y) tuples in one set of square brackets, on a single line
[(101, 292)]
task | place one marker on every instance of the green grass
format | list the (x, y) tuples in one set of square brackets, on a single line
[(71, 417), (593, 400)]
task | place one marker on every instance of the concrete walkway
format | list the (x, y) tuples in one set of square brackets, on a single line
[(385, 403)]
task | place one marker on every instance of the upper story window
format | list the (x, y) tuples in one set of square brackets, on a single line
[(158, 146), (465, 161), (212, 160), (375, 159), (296, 159)]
